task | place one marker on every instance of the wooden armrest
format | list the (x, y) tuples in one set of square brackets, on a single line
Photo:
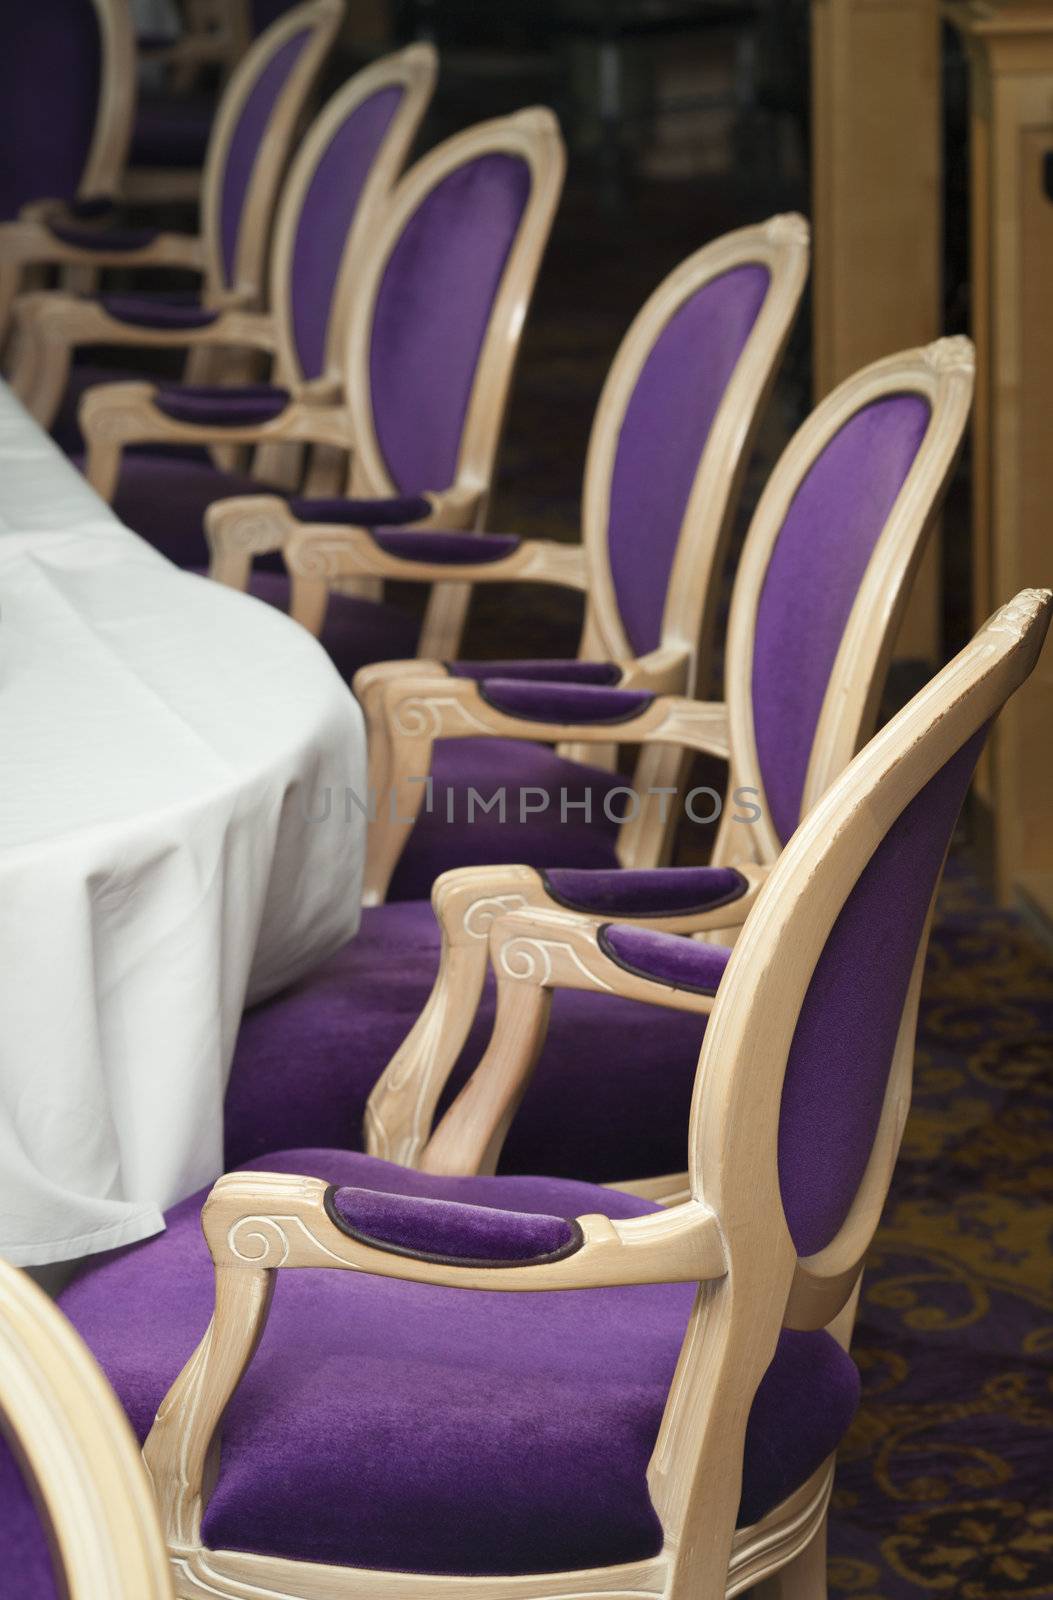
[(257, 1222), (26, 242), (327, 553), (59, 318), (113, 415)]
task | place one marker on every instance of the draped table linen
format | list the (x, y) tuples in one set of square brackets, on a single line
[(176, 839)]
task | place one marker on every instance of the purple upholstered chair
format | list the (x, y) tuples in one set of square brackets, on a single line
[(254, 128), (820, 589), (517, 1378), (441, 292), (672, 432), (89, 1530), (67, 73)]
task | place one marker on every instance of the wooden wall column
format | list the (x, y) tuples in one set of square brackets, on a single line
[(1011, 57), (876, 210)]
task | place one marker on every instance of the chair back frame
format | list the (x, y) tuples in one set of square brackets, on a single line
[(112, 135), (782, 246), (64, 1421), (414, 70), (943, 374), (322, 19)]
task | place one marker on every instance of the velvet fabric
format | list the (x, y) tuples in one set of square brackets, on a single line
[(448, 548), (813, 576), (245, 142), (171, 131), (394, 1425), (431, 315), (558, 813), (50, 77), (355, 632), (609, 1098), (92, 207), (165, 497), (563, 702), (84, 237), (663, 434), (646, 891), (601, 672), (166, 313), (449, 1230), (211, 406), (392, 509), (325, 221), (668, 958), (845, 1037)]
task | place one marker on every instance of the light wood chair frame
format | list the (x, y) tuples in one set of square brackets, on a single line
[(407, 710), (466, 900), (29, 242), (241, 527), (323, 555), (730, 1236), (54, 324), (81, 1458)]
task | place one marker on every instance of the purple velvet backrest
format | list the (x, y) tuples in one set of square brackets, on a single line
[(431, 315), (813, 576), (663, 433), (845, 1037), (325, 220), (50, 77), (246, 139)]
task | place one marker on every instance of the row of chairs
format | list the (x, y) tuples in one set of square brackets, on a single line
[(480, 1093)]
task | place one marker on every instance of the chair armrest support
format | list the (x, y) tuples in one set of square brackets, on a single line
[(328, 553), (27, 242), (67, 319)]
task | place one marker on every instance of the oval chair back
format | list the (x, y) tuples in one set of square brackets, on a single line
[(249, 146), (822, 582), (67, 99), (437, 318), (100, 1535), (804, 1077)]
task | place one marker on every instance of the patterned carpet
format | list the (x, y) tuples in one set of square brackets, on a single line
[(944, 1483)]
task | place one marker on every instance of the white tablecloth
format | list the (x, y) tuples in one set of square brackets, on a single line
[(166, 747)]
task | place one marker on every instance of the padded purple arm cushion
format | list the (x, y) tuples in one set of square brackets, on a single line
[(454, 549), (449, 1231), (103, 238), (563, 702), (601, 672), (164, 313), (362, 513), (666, 958), (92, 207), (645, 891), (210, 406)]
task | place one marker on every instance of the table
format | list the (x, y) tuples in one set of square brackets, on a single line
[(175, 838)]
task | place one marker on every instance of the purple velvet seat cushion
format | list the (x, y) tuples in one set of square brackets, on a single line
[(246, 140), (166, 313), (326, 217), (171, 131), (813, 576), (668, 958), (847, 1027), (447, 548), (557, 813), (362, 513), (103, 239), (601, 672), (355, 631), (432, 310), (394, 1425), (646, 892), (165, 497), (50, 69), (449, 1230), (662, 437), (210, 406), (563, 702)]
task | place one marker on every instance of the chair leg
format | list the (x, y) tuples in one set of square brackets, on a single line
[(803, 1578)]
